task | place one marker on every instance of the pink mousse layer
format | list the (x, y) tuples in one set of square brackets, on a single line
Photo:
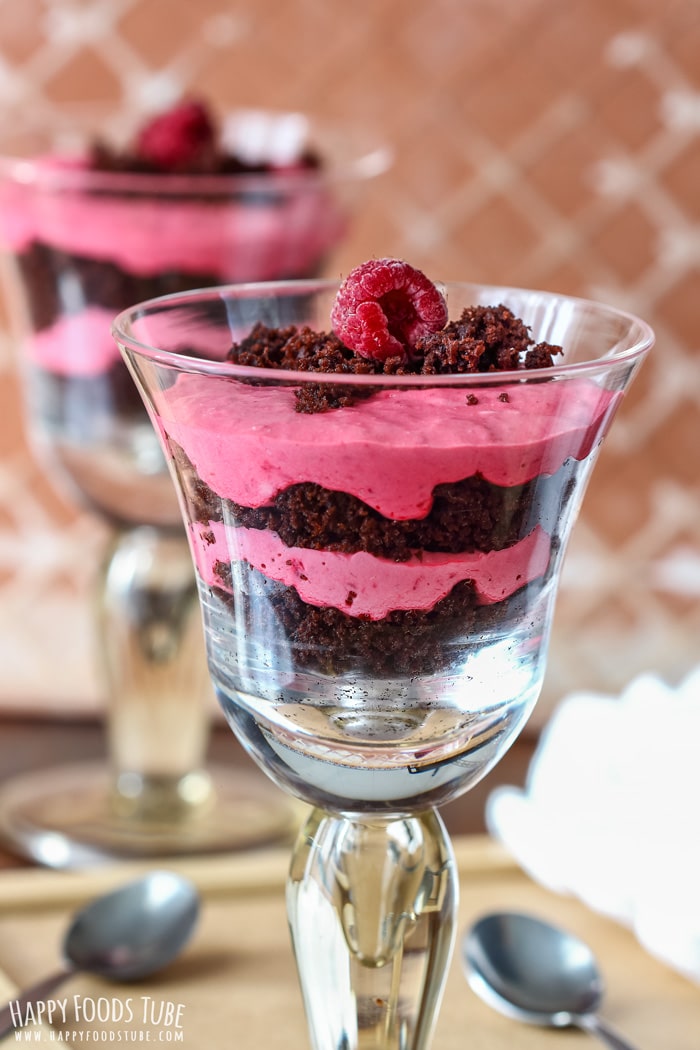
[(248, 444), (76, 345), (231, 240), (362, 584)]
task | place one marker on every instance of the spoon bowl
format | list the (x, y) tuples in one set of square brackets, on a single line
[(125, 935), (534, 972), (134, 930)]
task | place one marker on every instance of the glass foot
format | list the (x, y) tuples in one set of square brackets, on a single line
[(72, 817)]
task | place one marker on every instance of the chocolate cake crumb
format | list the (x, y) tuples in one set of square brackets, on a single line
[(404, 642), (185, 140), (303, 350), (484, 339), (468, 515), (298, 350), (540, 356), (208, 162)]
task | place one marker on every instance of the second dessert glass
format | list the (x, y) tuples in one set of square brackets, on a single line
[(377, 581), (84, 244)]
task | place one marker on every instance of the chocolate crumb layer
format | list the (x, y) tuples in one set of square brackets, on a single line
[(484, 339), (209, 161), (101, 283), (468, 515), (405, 642)]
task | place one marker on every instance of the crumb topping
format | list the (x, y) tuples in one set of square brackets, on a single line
[(184, 140), (484, 339)]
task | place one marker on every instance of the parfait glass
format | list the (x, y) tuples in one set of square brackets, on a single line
[(81, 245), (377, 581)]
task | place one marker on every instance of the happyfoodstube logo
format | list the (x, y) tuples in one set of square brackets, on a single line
[(135, 1019)]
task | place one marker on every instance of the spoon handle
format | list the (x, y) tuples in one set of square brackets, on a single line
[(14, 1014), (597, 1027)]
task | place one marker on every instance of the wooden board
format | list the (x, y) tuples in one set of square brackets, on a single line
[(235, 985)]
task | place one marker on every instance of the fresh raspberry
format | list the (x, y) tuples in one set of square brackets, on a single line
[(384, 306), (174, 140)]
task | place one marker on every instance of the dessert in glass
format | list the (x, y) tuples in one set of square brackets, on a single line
[(377, 515), (188, 201)]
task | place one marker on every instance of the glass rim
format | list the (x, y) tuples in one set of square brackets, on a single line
[(189, 362), (349, 152), (31, 173)]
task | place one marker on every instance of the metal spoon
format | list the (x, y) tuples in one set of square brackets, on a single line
[(125, 935), (532, 971)]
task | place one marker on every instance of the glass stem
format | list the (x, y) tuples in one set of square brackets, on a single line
[(372, 907), (157, 680)]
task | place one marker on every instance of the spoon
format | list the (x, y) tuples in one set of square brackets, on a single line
[(125, 935), (534, 972)]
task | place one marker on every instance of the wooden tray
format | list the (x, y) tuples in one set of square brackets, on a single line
[(235, 985)]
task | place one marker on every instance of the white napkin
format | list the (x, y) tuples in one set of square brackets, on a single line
[(611, 812)]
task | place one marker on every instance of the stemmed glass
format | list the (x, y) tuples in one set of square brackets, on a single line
[(84, 244), (372, 688)]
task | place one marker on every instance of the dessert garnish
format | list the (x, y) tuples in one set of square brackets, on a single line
[(383, 308), (188, 140), (389, 318), (179, 138)]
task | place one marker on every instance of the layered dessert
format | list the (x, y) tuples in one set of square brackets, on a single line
[(368, 516), (187, 203), (174, 209)]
